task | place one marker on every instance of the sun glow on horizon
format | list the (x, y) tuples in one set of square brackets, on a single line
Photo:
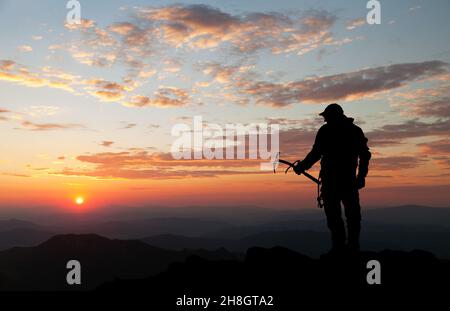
[(79, 200)]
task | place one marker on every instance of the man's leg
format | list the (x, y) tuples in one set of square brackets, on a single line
[(353, 216), (332, 206)]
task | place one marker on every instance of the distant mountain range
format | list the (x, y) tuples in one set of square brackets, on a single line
[(403, 228)]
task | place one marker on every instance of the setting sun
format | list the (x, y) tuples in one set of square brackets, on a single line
[(79, 200)]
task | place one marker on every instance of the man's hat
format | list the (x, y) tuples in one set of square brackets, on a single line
[(332, 109)]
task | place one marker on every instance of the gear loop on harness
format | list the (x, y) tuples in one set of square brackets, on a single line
[(320, 202)]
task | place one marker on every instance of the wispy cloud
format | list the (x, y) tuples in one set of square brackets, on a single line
[(433, 101), (25, 48), (355, 23), (106, 143), (141, 164), (128, 126), (28, 125), (392, 134)]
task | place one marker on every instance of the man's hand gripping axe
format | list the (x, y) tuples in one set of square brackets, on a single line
[(292, 165)]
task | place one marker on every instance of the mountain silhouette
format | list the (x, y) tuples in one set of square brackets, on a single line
[(308, 242), (292, 278), (44, 267), (23, 238), (313, 243)]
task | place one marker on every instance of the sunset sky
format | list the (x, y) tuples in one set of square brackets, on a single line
[(87, 110)]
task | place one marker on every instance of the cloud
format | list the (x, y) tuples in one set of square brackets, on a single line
[(433, 101), (109, 91), (154, 126), (15, 175), (107, 96), (392, 134), (141, 164), (206, 27), (172, 65), (296, 142), (354, 23), (39, 111), (153, 174), (395, 163), (124, 28), (15, 73), (106, 91), (438, 150), (438, 108), (436, 147), (28, 125), (197, 27), (84, 25), (221, 73), (129, 126), (25, 48), (106, 143), (164, 97), (6, 65), (415, 8), (108, 85), (2, 112), (344, 86)]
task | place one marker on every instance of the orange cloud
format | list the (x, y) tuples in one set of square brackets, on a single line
[(124, 28), (164, 97), (27, 125), (357, 22), (13, 72), (142, 164), (108, 96), (205, 27), (85, 24), (106, 143)]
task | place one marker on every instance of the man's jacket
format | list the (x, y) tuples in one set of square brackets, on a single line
[(342, 148)]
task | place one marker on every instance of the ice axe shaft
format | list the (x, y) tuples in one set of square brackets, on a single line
[(314, 179)]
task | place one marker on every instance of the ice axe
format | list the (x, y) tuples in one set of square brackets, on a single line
[(291, 165), (320, 203)]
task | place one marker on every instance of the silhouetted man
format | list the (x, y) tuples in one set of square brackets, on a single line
[(339, 145)]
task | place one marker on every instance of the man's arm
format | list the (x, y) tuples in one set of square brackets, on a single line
[(313, 156), (364, 158)]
